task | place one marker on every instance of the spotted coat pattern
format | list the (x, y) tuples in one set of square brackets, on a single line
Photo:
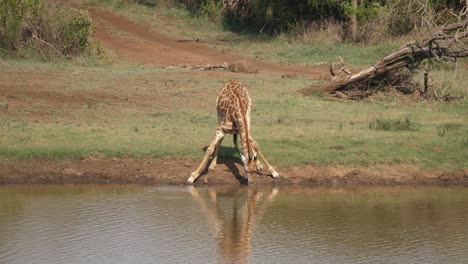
[(233, 106)]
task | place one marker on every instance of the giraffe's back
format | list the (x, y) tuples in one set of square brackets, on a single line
[(232, 98)]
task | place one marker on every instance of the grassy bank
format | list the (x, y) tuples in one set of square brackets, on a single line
[(67, 110), (82, 108)]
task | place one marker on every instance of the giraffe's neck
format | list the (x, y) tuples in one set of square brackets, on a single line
[(245, 133)]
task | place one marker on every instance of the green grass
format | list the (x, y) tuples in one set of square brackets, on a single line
[(137, 110), (150, 111), (393, 124), (296, 52)]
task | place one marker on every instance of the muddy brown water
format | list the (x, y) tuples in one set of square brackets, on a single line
[(153, 224)]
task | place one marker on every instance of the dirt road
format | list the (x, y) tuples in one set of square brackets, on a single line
[(139, 44)]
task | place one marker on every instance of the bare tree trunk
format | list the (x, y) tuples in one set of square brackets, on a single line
[(352, 28)]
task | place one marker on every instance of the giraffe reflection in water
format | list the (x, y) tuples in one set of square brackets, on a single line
[(233, 225)]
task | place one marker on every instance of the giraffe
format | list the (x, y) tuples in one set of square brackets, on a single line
[(234, 229), (233, 106)]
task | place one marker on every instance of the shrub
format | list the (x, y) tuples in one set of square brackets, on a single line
[(393, 124), (44, 28), (13, 14), (150, 3), (376, 18)]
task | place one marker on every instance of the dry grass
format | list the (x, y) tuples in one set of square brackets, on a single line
[(328, 32)]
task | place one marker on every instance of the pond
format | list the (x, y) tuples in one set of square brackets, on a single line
[(160, 224)]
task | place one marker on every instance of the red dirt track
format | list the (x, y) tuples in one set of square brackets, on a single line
[(139, 44)]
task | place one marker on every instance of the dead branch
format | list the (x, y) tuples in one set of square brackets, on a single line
[(337, 73), (445, 42), (209, 67), (33, 33)]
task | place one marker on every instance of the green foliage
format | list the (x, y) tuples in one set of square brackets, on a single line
[(43, 29), (379, 18), (213, 9), (281, 16), (150, 3), (364, 11), (328, 8), (13, 14), (275, 16), (76, 33), (393, 124)]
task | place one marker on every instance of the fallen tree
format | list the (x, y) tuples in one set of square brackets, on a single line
[(446, 42)]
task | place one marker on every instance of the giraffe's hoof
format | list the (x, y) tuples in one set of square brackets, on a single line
[(192, 178), (259, 168), (212, 166), (247, 177), (275, 174)]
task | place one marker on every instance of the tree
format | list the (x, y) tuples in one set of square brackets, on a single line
[(352, 29)]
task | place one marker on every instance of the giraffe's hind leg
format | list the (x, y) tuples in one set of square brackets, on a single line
[(236, 146), (270, 168), (196, 173)]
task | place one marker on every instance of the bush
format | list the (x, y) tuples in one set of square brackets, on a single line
[(13, 14), (377, 19), (43, 28), (150, 3)]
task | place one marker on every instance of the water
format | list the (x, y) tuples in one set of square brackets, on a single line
[(141, 224)]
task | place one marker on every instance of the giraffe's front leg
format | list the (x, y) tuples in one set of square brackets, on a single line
[(196, 173), (245, 164), (215, 156), (258, 165), (270, 168)]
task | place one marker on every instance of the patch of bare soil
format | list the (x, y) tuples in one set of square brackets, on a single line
[(97, 169), (139, 44)]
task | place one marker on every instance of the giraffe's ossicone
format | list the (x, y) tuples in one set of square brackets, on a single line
[(233, 106)]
